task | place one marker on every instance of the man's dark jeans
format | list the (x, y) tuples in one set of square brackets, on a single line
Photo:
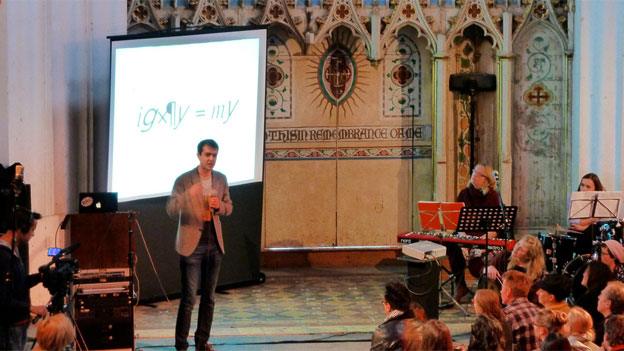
[(201, 267)]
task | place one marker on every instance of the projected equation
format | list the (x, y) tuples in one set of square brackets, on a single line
[(174, 114)]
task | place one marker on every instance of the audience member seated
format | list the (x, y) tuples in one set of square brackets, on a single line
[(490, 331), (549, 325), (418, 311), (412, 334), (595, 278), (581, 330), (527, 256), (611, 299), (552, 291), (614, 333), (520, 313), (435, 335), (612, 254), (396, 304), (54, 333), (556, 342)]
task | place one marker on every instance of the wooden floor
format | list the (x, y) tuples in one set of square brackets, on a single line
[(295, 309)]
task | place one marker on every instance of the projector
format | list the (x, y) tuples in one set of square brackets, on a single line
[(424, 249)]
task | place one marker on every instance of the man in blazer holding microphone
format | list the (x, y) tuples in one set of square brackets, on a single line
[(199, 197)]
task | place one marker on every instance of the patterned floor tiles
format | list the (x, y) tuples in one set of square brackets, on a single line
[(310, 301)]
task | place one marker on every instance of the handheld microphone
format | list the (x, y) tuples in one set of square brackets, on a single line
[(495, 175), (19, 173)]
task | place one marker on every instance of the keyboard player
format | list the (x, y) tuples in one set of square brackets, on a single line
[(480, 192)]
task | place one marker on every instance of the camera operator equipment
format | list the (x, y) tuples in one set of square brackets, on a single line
[(56, 277), (15, 283)]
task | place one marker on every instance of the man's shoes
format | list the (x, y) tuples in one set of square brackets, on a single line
[(461, 291), (205, 347)]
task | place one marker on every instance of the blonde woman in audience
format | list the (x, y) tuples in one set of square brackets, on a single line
[(527, 256), (490, 331), (581, 330), (54, 333), (549, 325)]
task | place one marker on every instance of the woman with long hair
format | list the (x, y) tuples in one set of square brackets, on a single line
[(490, 331), (581, 330), (583, 227), (595, 278), (527, 256)]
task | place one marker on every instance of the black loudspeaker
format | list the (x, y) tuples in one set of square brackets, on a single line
[(105, 321), (423, 280), (472, 82)]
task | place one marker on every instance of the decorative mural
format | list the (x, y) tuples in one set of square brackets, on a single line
[(279, 80), (402, 79), (540, 121), (355, 115)]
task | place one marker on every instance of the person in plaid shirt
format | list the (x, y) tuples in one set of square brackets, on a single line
[(519, 313)]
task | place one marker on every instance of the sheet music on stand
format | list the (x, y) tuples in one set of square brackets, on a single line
[(487, 219), (606, 205), (439, 216)]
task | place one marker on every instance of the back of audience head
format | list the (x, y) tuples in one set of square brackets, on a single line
[(553, 288), (418, 310), (611, 299), (55, 332), (556, 342), (487, 302), (412, 335), (435, 335), (580, 323), (515, 285), (596, 276), (614, 332), (397, 297), (549, 322)]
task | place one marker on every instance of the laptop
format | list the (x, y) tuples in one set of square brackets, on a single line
[(97, 203)]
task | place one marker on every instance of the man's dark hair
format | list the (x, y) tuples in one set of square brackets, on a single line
[(397, 296), (614, 330), (22, 220), (206, 142)]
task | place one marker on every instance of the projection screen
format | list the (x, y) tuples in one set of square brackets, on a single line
[(170, 92)]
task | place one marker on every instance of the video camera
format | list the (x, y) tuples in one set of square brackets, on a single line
[(56, 277), (13, 192)]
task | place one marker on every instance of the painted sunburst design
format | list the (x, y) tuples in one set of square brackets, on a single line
[(341, 48)]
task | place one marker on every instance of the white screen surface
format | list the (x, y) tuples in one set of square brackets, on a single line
[(169, 93)]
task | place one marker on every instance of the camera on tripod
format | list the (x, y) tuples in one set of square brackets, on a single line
[(57, 275)]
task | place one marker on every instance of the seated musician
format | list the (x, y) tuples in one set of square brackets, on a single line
[(589, 182), (480, 192), (527, 256)]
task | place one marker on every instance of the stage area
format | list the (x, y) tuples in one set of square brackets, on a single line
[(295, 309)]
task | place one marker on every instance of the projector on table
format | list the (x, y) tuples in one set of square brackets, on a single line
[(423, 249)]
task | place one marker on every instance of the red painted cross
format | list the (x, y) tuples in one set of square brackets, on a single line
[(474, 11), (539, 94), (408, 10), (342, 11)]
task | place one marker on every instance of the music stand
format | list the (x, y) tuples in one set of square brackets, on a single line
[(605, 205), (439, 216), (487, 219)]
